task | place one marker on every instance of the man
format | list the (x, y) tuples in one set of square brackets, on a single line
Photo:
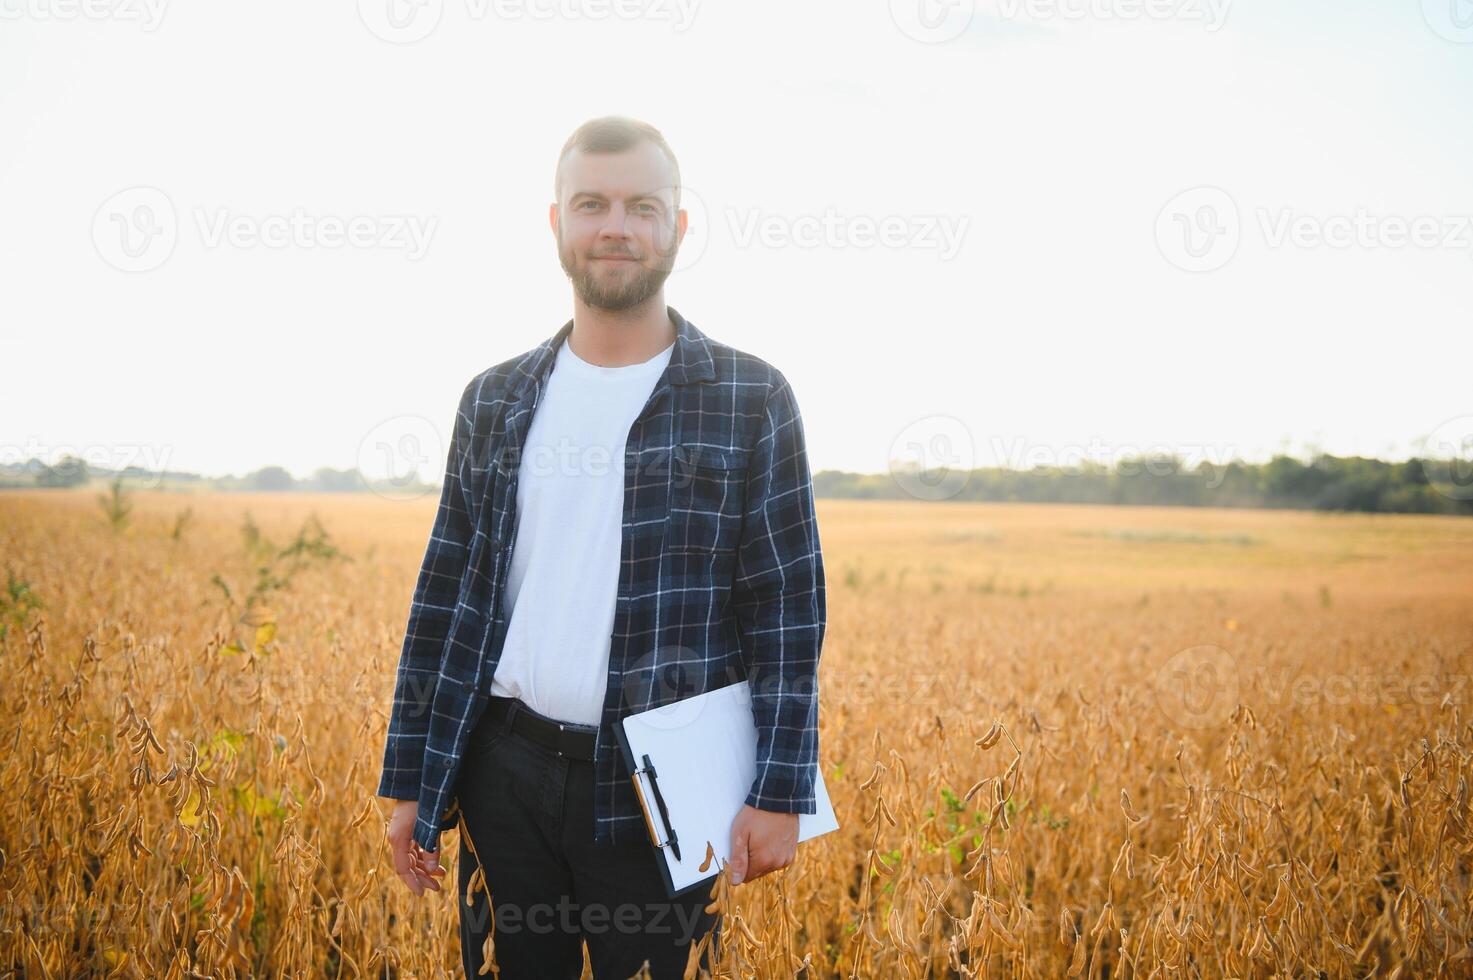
[(562, 591)]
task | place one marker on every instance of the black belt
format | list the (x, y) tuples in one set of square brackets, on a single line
[(563, 737)]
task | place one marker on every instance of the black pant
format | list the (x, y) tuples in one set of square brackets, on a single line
[(529, 815)]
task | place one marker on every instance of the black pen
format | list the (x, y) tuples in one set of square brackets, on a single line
[(660, 802)]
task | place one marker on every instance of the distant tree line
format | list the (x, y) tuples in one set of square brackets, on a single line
[(73, 472), (1331, 483)]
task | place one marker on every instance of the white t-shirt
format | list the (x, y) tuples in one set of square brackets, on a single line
[(562, 584)]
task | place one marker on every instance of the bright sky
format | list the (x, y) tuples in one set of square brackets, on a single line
[(1077, 227)]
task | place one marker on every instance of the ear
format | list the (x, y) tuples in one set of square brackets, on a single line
[(682, 219), (552, 218)]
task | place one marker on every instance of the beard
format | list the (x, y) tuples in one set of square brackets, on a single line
[(615, 287)]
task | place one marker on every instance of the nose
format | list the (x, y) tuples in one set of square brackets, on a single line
[(615, 226)]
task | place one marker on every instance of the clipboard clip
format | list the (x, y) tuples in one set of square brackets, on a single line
[(651, 780)]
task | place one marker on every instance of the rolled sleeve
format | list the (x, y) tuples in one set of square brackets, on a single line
[(779, 600)]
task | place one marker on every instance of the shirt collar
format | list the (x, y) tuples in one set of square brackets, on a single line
[(690, 361)]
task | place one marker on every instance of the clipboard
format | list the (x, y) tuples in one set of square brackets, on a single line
[(692, 763)]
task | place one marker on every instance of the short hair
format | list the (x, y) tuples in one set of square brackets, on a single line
[(613, 134)]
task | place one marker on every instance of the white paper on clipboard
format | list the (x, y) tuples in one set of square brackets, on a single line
[(704, 752)]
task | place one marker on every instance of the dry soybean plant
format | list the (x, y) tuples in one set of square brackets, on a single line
[(1062, 742)]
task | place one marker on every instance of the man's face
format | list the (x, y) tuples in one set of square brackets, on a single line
[(616, 224)]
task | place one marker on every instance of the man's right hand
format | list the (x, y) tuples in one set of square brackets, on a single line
[(418, 868)]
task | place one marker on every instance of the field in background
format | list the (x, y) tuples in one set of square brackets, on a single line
[(1092, 741)]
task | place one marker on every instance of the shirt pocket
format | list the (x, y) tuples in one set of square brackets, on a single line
[(708, 489)]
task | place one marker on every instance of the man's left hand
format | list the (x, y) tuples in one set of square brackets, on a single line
[(761, 841)]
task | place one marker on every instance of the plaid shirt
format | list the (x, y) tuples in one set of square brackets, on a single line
[(720, 578)]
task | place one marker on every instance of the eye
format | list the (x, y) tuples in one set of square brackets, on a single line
[(646, 208), (585, 204)]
